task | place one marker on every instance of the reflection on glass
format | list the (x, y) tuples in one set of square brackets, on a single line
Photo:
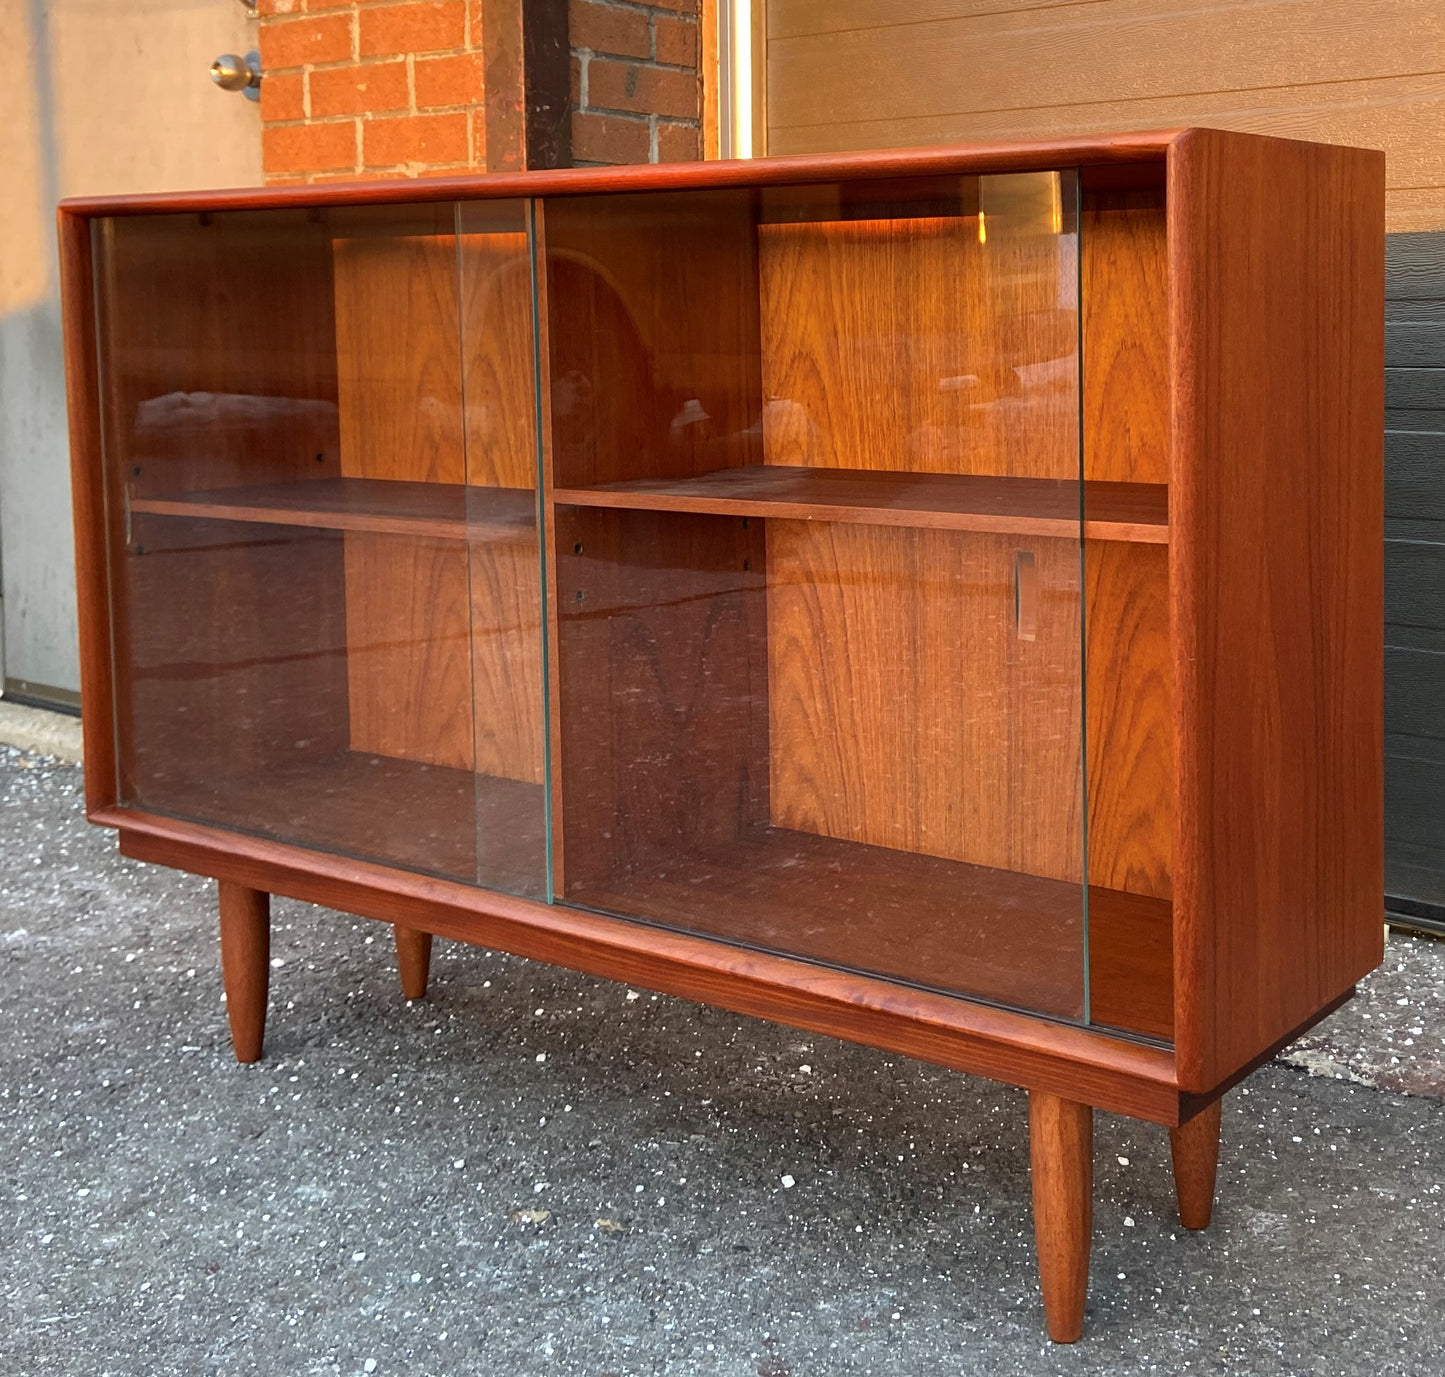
[(292, 535)]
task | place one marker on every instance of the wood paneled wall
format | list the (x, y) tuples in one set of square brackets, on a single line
[(883, 73)]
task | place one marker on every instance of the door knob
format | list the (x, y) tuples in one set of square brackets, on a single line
[(233, 73)]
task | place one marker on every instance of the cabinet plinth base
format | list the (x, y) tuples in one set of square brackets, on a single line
[(245, 964), (1195, 1149), (413, 960), (1061, 1150)]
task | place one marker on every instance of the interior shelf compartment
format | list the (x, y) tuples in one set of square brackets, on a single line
[(432, 818), (941, 924), (1135, 512), (451, 511)]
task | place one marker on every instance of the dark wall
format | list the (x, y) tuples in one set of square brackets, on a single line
[(1415, 569)]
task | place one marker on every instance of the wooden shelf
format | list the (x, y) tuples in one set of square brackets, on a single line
[(448, 511), (960, 929), (1136, 512), (428, 818)]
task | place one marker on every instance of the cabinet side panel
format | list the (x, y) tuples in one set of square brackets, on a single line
[(1277, 302), (77, 294)]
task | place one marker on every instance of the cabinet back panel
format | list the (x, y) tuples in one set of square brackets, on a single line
[(1130, 723), (1125, 272), (654, 339), (497, 351), (663, 688), (907, 711), (910, 345), (398, 357)]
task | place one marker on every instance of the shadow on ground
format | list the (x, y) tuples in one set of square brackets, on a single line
[(359, 1202)]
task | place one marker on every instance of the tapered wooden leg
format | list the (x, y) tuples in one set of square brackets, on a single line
[(245, 965), (413, 960), (1061, 1148), (1195, 1149)]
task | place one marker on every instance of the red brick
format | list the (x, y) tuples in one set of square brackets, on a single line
[(574, 85), (292, 42), (608, 29), (312, 5), (308, 147), (678, 143), (647, 90), (676, 41), (426, 26), (267, 8), (283, 96), (679, 6), (367, 89), (609, 139), (415, 139), (449, 80)]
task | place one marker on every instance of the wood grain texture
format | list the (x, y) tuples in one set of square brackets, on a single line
[(653, 336), (1105, 1071), (954, 502), (1275, 586), (499, 383), (87, 486), (905, 710), (386, 507), (981, 378), (1061, 1157), (413, 960), (408, 648), (1017, 155), (245, 965), (1194, 1149), (663, 688), (506, 650), (1125, 307), (1130, 726), (398, 365), (1007, 937)]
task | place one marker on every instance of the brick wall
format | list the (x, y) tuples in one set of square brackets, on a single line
[(636, 94), (361, 88)]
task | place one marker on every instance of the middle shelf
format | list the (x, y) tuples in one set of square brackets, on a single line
[(1134, 512), (1137, 512)]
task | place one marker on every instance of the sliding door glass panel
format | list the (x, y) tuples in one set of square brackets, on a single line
[(504, 557), (816, 472), (286, 505)]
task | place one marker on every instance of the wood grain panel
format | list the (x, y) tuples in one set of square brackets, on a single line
[(1276, 585), (497, 344), (399, 366), (663, 687), (869, 497), (906, 711), (1125, 285), (653, 335), (506, 632), (408, 651), (1130, 724), (978, 378)]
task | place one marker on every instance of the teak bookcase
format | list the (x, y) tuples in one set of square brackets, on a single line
[(927, 598)]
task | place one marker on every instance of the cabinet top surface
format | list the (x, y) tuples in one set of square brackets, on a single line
[(1009, 156)]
